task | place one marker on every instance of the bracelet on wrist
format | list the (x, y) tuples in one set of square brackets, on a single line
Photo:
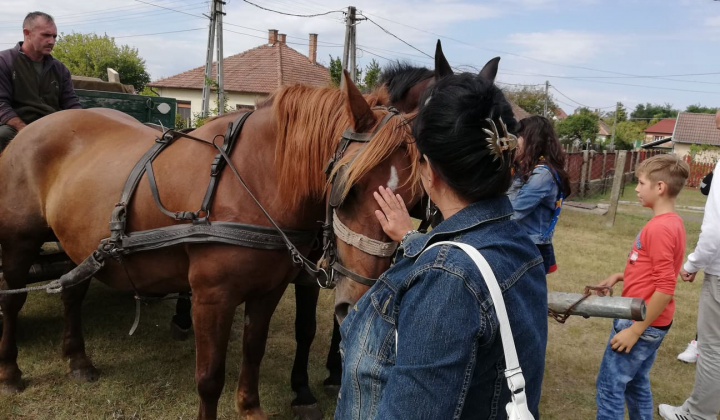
[(407, 235)]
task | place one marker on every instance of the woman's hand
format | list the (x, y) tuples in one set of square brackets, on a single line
[(393, 215)]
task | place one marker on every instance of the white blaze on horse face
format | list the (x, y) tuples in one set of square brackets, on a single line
[(393, 181)]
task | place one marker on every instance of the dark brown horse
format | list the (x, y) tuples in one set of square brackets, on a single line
[(64, 174)]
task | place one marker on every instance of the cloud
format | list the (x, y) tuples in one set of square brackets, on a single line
[(561, 46), (712, 22)]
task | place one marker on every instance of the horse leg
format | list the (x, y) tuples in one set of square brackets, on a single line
[(17, 260), (334, 362), (304, 405), (182, 320), (258, 311), (73, 344), (213, 320)]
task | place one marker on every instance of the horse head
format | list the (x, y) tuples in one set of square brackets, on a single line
[(365, 252)]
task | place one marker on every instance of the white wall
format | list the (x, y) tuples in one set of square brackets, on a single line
[(195, 97)]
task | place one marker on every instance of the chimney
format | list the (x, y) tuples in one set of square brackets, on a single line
[(281, 38), (312, 53), (272, 36)]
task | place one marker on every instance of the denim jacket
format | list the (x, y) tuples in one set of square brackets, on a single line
[(534, 203), (447, 361)]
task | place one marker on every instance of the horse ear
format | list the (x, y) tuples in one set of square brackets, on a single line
[(442, 67), (363, 118), (490, 70)]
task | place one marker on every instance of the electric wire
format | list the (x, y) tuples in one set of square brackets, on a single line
[(291, 14)]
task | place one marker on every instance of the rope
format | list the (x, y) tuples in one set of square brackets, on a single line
[(362, 242), (51, 287)]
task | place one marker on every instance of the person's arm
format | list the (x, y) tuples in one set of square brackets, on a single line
[(626, 339), (7, 113), (537, 187), (439, 325), (610, 281), (706, 250), (68, 97)]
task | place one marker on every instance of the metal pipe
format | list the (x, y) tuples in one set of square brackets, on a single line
[(598, 306)]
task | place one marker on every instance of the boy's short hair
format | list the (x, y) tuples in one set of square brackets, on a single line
[(667, 168)]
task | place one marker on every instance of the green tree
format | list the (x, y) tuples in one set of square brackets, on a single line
[(699, 109), (336, 73), (652, 111), (580, 126), (629, 132), (622, 114), (372, 75), (90, 55), (531, 99)]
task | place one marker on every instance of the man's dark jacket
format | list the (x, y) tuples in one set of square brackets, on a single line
[(25, 94)]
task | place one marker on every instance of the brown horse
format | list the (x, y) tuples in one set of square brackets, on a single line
[(64, 174)]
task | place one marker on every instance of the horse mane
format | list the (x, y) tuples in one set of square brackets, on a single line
[(309, 124), (399, 77), (395, 134)]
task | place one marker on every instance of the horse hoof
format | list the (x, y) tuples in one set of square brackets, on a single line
[(177, 333), (307, 412), (88, 374), (331, 390)]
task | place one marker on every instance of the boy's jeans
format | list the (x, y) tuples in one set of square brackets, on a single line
[(625, 377)]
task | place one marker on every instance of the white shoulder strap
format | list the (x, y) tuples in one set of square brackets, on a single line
[(513, 373)]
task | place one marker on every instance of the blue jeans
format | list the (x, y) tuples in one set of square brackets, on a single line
[(625, 377)]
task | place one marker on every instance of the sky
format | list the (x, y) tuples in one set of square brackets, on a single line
[(593, 53)]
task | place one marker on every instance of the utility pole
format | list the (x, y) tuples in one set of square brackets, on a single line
[(617, 109), (219, 32), (349, 46), (547, 88), (215, 29)]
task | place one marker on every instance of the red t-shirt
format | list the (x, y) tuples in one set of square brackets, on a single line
[(655, 261)]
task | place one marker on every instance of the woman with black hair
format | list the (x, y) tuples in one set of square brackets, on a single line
[(424, 341), (540, 184)]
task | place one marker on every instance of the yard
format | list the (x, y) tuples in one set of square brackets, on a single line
[(149, 376)]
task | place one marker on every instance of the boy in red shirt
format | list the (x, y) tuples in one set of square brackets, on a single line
[(650, 273)]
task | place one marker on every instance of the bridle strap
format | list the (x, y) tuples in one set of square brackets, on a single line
[(352, 275), (368, 245)]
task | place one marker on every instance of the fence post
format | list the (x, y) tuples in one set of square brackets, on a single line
[(617, 183), (603, 172), (584, 173)]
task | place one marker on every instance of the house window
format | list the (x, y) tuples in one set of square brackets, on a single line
[(183, 111)]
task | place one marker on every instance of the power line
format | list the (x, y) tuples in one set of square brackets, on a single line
[(394, 36), (168, 8), (291, 14), (159, 33), (586, 106)]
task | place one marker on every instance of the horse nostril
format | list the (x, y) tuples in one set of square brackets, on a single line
[(341, 311)]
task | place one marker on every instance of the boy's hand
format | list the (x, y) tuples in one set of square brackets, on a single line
[(609, 282), (624, 340), (685, 276)]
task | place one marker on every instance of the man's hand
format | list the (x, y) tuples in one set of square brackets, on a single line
[(609, 282), (16, 123), (393, 215), (685, 276), (624, 340)]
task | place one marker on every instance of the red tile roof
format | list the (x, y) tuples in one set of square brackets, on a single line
[(260, 70), (665, 126), (696, 129), (603, 128)]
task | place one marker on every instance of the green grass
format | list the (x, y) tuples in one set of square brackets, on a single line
[(149, 376)]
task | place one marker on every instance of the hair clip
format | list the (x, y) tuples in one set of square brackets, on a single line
[(499, 143)]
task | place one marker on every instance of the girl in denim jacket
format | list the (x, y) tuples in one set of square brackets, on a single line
[(540, 183), (423, 342)]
